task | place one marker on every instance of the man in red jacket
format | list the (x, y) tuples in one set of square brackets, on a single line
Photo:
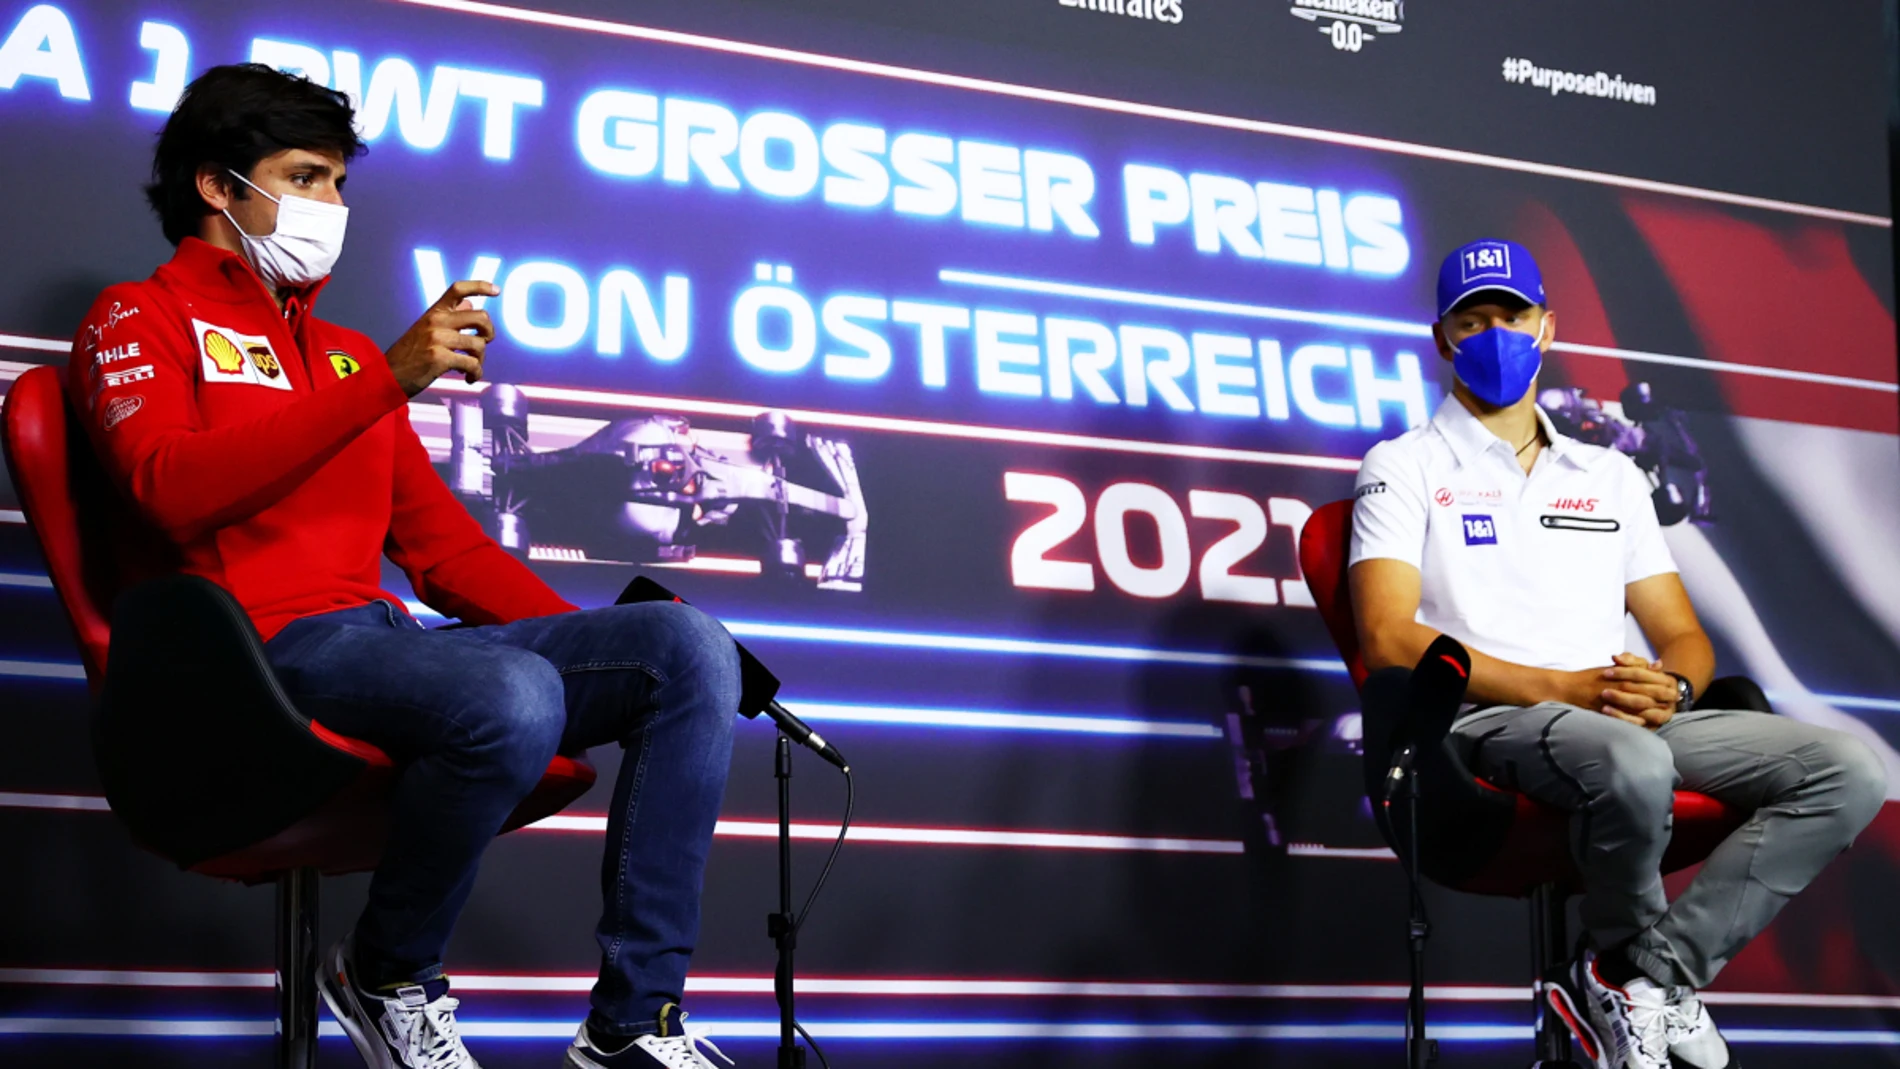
[(274, 451)]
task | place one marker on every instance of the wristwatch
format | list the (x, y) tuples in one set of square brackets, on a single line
[(1685, 693)]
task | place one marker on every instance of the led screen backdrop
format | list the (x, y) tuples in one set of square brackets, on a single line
[(979, 364)]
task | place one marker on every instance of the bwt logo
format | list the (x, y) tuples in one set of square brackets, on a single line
[(1351, 24), (1168, 11)]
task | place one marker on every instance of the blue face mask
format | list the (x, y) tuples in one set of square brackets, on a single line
[(1498, 365)]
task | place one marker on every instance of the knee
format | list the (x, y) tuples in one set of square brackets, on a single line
[(705, 658), (1640, 774), (515, 714), (1860, 781)]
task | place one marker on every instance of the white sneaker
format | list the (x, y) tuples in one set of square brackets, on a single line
[(405, 1032), (673, 1052), (1617, 1027), (1694, 1041)]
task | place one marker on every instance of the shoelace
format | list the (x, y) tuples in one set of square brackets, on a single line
[(427, 1034), (1681, 1013), (682, 1051), (1650, 1027)]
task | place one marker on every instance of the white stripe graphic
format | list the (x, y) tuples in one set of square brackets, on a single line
[(764, 829), (1376, 324), (41, 345), (22, 800), (574, 983), (27, 580), (1128, 107), (933, 428), (871, 833), (42, 670)]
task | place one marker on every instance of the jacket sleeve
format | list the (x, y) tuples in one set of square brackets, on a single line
[(133, 383), (455, 568)]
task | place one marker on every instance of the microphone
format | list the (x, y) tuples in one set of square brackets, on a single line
[(1437, 690), (758, 687)]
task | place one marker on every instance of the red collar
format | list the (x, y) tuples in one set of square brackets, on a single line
[(223, 275)]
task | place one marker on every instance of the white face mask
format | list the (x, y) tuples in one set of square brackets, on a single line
[(305, 245)]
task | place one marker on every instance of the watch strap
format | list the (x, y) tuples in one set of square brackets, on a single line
[(1685, 692)]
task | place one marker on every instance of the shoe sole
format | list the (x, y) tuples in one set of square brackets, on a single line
[(335, 989), (1557, 997)]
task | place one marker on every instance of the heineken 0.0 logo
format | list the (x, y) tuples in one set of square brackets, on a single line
[(1351, 24)]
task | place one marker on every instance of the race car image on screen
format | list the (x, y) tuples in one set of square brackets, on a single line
[(653, 489), (1650, 433)]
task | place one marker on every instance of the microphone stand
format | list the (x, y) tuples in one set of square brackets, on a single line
[(780, 925), (1420, 1052), (758, 688)]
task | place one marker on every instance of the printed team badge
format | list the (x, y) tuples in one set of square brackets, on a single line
[(119, 409), (344, 363), (228, 356)]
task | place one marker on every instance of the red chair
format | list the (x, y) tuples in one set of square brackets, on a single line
[(202, 755), (1478, 838)]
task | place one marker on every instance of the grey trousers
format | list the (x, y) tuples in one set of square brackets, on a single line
[(1811, 790)]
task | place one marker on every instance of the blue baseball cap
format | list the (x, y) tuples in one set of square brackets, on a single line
[(1488, 264)]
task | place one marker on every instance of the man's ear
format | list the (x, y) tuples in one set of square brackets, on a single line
[(214, 186), (1548, 332), (1438, 339)]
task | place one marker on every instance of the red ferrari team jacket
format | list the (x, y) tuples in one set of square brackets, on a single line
[(274, 450)]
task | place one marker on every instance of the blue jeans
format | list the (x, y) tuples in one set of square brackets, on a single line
[(475, 714)]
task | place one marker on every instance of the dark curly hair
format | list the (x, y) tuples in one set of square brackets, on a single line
[(231, 117)]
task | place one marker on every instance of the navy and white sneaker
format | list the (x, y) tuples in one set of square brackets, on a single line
[(676, 1046), (1694, 1041), (1617, 1027), (410, 1031)]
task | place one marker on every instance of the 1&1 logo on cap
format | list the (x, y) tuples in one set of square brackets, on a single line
[(1484, 259), (1480, 530)]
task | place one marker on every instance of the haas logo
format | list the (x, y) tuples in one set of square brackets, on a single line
[(1575, 504), (1443, 496)]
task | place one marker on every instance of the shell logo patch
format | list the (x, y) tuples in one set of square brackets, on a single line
[(344, 363), (228, 356), (223, 355)]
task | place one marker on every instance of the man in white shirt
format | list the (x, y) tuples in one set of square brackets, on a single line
[(1529, 547)]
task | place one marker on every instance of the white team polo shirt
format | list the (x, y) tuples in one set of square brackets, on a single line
[(1527, 568)]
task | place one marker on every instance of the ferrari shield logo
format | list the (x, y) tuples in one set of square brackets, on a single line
[(344, 363)]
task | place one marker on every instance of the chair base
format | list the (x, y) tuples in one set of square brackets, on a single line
[(1550, 949), (297, 969)]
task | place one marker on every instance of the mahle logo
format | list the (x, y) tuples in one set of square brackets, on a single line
[(1351, 24)]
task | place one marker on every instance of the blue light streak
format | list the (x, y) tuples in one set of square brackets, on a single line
[(833, 712), (857, 636), (42, 670), (924, 1031)]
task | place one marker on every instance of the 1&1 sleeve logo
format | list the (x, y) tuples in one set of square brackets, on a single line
[(1480, 530)]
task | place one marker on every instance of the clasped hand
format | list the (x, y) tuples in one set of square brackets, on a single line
[(1633, 689)]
